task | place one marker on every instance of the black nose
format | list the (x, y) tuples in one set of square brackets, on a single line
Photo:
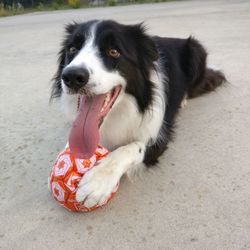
[(75, 77)]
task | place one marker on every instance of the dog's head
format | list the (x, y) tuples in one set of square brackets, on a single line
[(104, 57)]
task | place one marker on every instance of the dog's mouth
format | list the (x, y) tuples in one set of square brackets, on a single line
[(84, 134)]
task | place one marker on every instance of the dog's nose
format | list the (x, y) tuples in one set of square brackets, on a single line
[(75, 77)]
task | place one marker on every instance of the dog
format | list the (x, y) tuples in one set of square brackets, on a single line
[(137, 83)]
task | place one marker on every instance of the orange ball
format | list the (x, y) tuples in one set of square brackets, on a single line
[(66, 174)]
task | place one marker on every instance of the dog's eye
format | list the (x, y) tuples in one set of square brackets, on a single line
[(113, 53), (72, 50)]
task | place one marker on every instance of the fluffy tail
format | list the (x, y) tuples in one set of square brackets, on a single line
[(211, 80), (201, 79)]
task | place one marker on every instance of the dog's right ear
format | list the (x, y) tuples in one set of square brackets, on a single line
[(56, 87), (70, 28)]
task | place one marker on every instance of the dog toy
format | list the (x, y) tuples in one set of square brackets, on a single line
[(66, 174), (81, 153)]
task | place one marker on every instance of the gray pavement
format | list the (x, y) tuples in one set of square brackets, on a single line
[(199, 198)]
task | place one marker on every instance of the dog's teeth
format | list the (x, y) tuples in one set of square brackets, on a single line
[(106, 102), (108, 97), (104, 105)]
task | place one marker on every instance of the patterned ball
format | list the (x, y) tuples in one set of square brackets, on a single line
[(66, 174)]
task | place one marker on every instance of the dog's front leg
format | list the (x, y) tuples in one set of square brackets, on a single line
[(97, 185)]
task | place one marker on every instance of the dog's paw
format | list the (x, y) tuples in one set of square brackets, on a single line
[(97, 185)]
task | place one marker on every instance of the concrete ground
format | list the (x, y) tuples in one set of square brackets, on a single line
[(199, 198)]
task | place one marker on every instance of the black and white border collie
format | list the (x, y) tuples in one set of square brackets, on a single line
[(140, 81)]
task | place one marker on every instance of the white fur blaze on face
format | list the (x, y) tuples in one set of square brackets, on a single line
[(101, 80)]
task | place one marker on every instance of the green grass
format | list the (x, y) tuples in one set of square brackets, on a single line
[(5, 12), (55, 6)]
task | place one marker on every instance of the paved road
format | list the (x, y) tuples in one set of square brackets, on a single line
[(200, 196)]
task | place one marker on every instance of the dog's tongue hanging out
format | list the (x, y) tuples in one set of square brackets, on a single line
[(84, 134)]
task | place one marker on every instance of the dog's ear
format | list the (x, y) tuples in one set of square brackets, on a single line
[(144, 54), (56, 87), (144, 43), (70, 28)]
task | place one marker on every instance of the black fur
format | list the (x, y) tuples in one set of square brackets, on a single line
[(132, 42), (183, 63)]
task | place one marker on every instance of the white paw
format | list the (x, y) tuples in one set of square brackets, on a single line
[(97, 185)]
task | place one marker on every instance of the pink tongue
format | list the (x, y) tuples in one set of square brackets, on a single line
[(84, 134)]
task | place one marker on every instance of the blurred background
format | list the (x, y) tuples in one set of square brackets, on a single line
[(15, 7), (199, 196)]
